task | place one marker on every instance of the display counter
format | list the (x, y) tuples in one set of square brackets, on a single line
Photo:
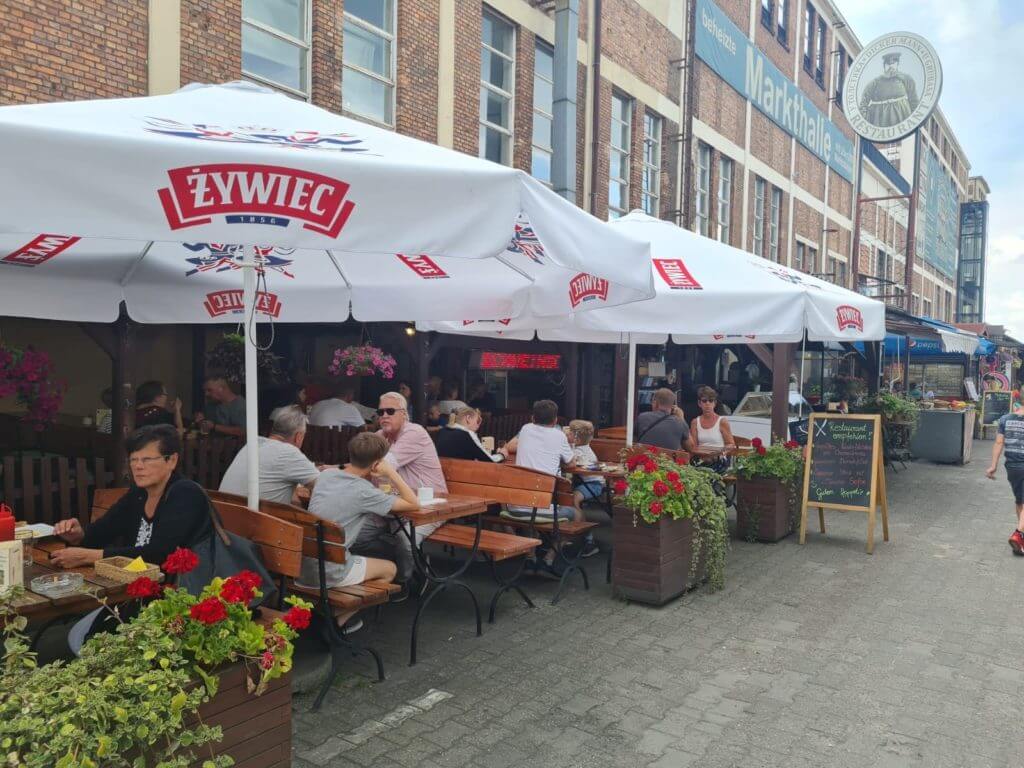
[(944, 436)]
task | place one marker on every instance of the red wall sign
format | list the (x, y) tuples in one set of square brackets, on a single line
[(503, 361)]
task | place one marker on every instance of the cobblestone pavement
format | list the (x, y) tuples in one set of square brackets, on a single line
[(811, 656)]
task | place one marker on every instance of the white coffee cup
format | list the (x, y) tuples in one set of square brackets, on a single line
[(425, 494), (487, 443)]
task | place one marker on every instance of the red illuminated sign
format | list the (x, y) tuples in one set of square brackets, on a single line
[(502, 361)]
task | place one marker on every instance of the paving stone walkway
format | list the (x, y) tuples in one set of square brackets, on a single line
[(811, 656)]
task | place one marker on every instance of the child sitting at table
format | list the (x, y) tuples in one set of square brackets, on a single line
[(590, 487)]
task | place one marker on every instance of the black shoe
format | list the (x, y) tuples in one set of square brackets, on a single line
[(590, 549), (402, 594)]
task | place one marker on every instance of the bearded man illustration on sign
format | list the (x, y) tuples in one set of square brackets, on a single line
[(891, 97)]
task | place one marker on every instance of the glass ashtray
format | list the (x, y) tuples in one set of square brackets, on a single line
[(57, 584)]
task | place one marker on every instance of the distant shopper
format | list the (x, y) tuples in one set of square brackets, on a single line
[(664, 425), (1011, 440)]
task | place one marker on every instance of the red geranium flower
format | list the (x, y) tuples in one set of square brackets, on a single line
[(634, 461), (180, 561), (680, 461), (249, 579), (677, 487), (209, 611), (649, 465), (657, 508), (235, 592), (672, 477), (756, 442), (761, 450), (144, 587), (791, 444), (297, 618), (620, 488), (267, 660), (659, 488)]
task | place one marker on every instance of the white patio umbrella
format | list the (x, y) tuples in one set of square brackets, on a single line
[(706, 293), (138, 200)]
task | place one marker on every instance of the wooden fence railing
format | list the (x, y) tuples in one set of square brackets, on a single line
[(206, 459), (328, 445), (50, 489)]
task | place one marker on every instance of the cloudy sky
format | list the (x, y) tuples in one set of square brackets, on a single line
[(980, 43)]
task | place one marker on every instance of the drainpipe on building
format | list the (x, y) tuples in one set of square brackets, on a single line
[(595, 97), (563, 132), (690, 105)]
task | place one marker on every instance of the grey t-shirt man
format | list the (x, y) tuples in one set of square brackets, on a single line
[(229, 414), (1011, 427), (661, 429), (282, 467), (347, 500)]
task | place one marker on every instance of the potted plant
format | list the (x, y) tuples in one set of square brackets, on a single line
[(155, 692), (766, 490), (899, 420), (362, 360), (669, 529), (228, 356)]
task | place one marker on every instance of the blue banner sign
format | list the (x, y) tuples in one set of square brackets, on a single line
[(724, 48), (938, 215)]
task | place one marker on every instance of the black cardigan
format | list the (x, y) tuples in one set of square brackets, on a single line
[(454, 443), (182, 518)]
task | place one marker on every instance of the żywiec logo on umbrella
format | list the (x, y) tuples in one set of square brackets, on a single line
[(423, 265), (586, 287), (503, 321), (526, 242), (246, 193), (40, 249), (720, 336), (230, 302), (222, 257), (339, 142), (676, 275), (849, 317)]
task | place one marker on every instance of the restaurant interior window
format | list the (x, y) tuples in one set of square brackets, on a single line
[(782, 22), (808, 37), (651, 190), (724, 198), (368, 73), (275, 44), (774, 221), (819, 54), (497, 73), (618, 156), (543, 111), (703, 189), (767, 17), (759, 189)]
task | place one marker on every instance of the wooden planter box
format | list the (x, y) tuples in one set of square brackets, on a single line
[(257, 729), (762, 510), (651, 563)]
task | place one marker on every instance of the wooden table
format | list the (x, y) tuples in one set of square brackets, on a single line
[(453, 508)]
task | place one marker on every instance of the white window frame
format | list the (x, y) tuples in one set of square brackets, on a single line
[(798, 256), (774, 223), (510, 95), (534, 147), (307, 94), (650, 194), (703, 196), (759, 189), (613, 211), (723, 215), (392, 84)]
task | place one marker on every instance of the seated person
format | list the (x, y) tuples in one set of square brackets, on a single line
[(160, 512), (664, 426), (590, 487), (347, 497), (227, 416), (543, 446), (286, 475), (151, 401), (481, 397), (710, 434), (337, 410), (915, 393), (450, 402), (435, 420), (459, 440)]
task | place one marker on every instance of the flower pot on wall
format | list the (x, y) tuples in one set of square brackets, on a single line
[(653, 562), (763, 509)]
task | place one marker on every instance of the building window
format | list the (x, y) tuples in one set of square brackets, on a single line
[(782, 22), (724, 198), (759, 216), (543, 111), (766, 13), (819, 54), (883, 263), (703, 189), (497, 73), (808, 37), (799, 259), (839, 272), (773, 224), (840, 74), (275, 44), (927, 308), (618, 156), (368, 74), (651, 192), (806, 258)]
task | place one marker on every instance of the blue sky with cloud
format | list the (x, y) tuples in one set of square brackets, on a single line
[(981, 45)]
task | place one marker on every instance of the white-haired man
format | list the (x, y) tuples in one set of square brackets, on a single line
[(284, 468)]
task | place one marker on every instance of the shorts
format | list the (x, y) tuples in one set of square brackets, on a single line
[(1016, 477), (543, 515), (356, 574), (592, 490)]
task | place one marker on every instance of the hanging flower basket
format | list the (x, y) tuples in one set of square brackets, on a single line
[(28, 375), (362, 360), (228, 356)]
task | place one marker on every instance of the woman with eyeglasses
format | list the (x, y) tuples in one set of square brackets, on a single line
[(710, 435), (160, 512)]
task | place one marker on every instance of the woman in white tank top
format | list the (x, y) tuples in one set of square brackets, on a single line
[(709, 430)]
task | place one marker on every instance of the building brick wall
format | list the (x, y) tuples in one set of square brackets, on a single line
[(51, 50), (634, 39), (718, 105), (599, 191), (523, 121), (840, 193), (211, 41), (325, 71), (769, 143), (767, 41), (468, 19), (417, 57), (810, 172), (737, 10)]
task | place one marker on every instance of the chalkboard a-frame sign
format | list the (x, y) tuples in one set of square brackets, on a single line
[(843, 470), (995, 404)]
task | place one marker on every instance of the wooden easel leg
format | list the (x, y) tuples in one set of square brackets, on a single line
[(885, 506), (803, 523), (871, 528), (821, 518)]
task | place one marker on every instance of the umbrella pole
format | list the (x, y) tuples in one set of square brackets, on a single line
[(252, 453), (630, 390)]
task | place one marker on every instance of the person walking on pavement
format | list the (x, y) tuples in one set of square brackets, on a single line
[(1011, 441)]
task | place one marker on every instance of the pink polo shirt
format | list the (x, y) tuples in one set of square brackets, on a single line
[(414, 456)]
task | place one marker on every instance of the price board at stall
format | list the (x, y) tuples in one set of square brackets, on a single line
[(994, 405), (843, 469)]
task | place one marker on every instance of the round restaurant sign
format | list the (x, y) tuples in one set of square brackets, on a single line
[(892, 86)]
